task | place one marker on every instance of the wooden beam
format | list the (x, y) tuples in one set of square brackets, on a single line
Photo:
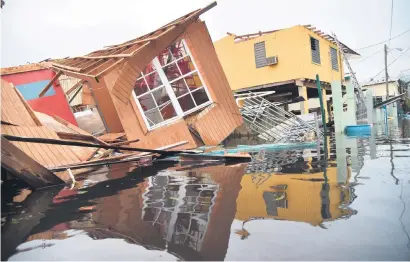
[(106, 56), (47, 87), (24, 167), (71, 136), (111, 159), (71, 126), (83, 144), (74, 87), (256, 34), (206, 8), (81, 76), (124, 143), (111, 137), (70, 68), (28, 108)]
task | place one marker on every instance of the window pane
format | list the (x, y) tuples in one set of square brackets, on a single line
[(200, 96), (165, 57), (313, 43), (179, 87), (148, 69), (153, 116), (167, 111), (140, 87), (186, 65), (153, 80), (193, 81), (186, 103), (161, 96), (147, 102), (172, 72), (178, 50)]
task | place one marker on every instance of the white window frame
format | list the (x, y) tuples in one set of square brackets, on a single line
[(166, 83)]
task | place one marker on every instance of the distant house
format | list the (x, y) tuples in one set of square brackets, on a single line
[(162, 88), (379, 90), (285, 61), (30, 80)]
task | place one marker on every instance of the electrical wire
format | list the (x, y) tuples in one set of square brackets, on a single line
[(365, 58), (391, 21), (371, 79), (384, 41)]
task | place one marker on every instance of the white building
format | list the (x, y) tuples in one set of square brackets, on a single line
[(379, 90)]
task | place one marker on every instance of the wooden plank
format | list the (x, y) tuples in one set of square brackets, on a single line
[(111, 137), (24, 167), (47, 87), (125, 142), (74, 87), (83, 144), (71, 126), (112, 158), (30, 150), (66, 151), (71, 136), (28, 107), (47, 152), (62, 66), (106, 56)]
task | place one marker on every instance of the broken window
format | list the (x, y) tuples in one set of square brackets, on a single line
[(314, 47), (170, 87)]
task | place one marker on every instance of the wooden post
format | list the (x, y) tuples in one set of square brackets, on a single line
[(45, 89), (24, 167)]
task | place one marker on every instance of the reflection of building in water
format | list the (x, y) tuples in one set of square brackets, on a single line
[(181, 206), (294, 197), (273, 161)]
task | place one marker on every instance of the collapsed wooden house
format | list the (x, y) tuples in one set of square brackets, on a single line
[(161, 88)]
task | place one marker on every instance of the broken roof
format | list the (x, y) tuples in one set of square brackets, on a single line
[(330, 38), (100, 62), (23, 68)]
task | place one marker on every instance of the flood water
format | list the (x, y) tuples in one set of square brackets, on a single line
[(349, 202)]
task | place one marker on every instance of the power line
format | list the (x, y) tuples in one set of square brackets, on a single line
[(365, 58), (391, 21), (371, 79), (384, 41)]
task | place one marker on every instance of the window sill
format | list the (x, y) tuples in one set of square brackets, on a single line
[(316, 63)]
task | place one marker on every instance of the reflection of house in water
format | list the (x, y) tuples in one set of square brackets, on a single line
[(181, 207), (187, 213), (295, 197)]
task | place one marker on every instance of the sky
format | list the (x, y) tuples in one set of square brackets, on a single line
[(32, 31)]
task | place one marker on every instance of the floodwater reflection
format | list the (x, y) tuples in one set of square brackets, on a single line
[(342, 204)]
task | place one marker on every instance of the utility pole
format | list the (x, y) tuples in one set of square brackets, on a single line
[(385, 70)]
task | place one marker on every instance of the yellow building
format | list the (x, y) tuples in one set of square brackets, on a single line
[(294, 197), (285, 61)]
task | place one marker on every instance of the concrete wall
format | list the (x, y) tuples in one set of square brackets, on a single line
[(291, 45)]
